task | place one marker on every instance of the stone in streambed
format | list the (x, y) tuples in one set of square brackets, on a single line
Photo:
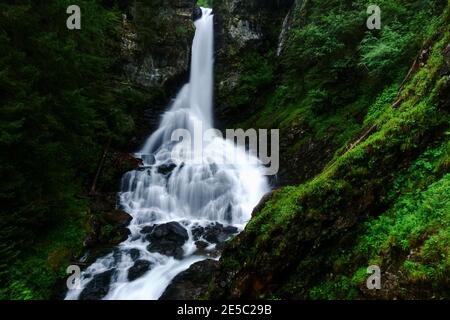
[(98, 287), (167, 168), (147, 229), (139, 268), (214, 233), (168, 239), (193, 283)]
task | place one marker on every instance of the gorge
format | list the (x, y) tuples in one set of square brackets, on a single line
[(93, 179)]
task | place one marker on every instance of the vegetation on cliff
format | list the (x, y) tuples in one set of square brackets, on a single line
[(363, 114), (381, 196), (64, 101)]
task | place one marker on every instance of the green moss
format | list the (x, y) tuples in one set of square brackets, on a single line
[(385, 201), (42, 266)]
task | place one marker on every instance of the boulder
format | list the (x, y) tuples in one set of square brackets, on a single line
[(98, 287), (167, 168), (168, 239), (147, 229), (196, 13), (139, 268), (118, 217), (193, 283), (214, 233)]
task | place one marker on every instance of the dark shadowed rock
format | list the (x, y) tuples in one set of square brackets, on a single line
[(166, 169), (147, 229), (167, 248), (214, 233), (193, 283), (168, 239), (196, 13), (201, 245), (118, 217), (134, 254), (139, 268), (98, 287)]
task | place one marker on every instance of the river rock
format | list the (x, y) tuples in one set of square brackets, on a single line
[(214, 233), (193, 283), (134, 254), (167, 168), (147, 229), (98, 287), (168, 239), (139, 268)]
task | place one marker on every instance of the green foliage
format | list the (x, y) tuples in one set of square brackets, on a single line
[(384, 201), (161, 29), (205, 3), (256, 76), (381, 55), (61, 100)]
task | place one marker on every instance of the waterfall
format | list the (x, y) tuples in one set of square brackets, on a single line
[(181, 210)]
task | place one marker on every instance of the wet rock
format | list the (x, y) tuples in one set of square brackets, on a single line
[(122, 235), (147, 229), (167, 248), (197, 232), (196, 13), (214, 233), (201, 245), (98, 287), (167, 168), (118, 217), (168, 239), (193, 283), (134, 254), (139, 268)]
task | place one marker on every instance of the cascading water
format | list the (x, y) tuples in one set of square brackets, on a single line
[(180, 210)]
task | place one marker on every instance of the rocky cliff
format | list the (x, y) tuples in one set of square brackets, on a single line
[(156, 42), (247, 32), (364, 142)]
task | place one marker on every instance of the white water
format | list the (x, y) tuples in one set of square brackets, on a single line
[(195, 193)]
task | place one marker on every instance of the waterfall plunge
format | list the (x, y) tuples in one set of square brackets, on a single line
[(197, 192)]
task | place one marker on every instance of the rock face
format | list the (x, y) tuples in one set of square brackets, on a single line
[(156, 47), (242, 28), (193, 283), (168, 239), (153, 66), (98, 287), (196, 13)]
